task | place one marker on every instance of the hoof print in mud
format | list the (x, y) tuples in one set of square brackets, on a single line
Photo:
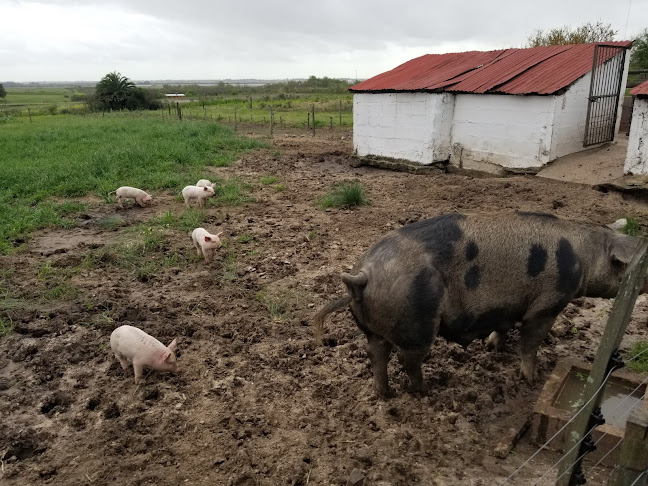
[(112, 411), (58, 402)]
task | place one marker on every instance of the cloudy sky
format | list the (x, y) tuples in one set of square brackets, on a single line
[(67, 40)]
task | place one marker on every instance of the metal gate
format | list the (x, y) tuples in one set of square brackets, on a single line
[(603, 104)]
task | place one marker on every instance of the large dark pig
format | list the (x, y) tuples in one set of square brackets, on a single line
[(465, 277)]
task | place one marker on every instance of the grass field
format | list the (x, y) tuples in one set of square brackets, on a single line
[(47, 163), (288, 110)]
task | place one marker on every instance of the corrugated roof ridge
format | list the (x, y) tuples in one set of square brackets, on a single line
[(503, 55), (466, 74), (568, 47)]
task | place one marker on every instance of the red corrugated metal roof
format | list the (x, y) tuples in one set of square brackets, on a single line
[(537, 70), (641, 91)]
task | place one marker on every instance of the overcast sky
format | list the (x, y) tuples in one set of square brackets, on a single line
[(68, 40)]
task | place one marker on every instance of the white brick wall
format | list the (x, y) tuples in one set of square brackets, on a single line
[(412, 126), (637, 158)]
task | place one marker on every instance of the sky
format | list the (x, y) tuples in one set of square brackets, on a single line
[(82, 40)]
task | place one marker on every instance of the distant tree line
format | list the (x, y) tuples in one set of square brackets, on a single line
[(281, 90)]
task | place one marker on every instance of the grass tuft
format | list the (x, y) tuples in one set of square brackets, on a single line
[(639, 364), (345, 196)]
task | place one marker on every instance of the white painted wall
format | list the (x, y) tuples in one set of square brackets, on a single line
[(505, 130), (412, 126), (637, 157)]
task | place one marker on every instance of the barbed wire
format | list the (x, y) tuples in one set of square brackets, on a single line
[(628, 397), (639, 477), (561, 429), (614, 368)]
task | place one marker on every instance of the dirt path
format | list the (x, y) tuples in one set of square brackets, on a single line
[(256, 401)]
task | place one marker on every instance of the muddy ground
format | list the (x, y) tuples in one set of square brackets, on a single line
[(256, 400)]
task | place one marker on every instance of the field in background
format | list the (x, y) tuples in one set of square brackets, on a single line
[(64, 156), (251, 105)]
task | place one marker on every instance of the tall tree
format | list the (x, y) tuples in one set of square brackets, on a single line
[(586, 33), (3, 93), (639, 53), (113, 90)]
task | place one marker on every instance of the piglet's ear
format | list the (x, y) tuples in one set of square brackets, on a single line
[(220, 234), (207, 238), (173, 344), (165, 356)]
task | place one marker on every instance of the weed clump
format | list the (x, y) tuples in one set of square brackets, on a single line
[(345, 196), (640, 363)]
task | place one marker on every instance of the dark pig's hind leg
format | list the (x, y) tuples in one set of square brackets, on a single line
[(378, 350), (411, 360)]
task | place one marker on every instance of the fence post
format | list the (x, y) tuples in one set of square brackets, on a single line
[(179, 111), (331, 122), (340, 112), (271, 120), (618, 319), (250, 102), (308, 120), (313, 109), (633, 460), (235, 118)]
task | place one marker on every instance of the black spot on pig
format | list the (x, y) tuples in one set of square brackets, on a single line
[(472, 277), (425, 296), (437, 235), (537, 260), (531, 214), (471, 251), (569, 269)]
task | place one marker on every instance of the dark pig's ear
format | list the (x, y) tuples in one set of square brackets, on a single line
[(622, 247), (355, 284)]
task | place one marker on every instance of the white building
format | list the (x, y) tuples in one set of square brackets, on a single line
[(637, 158), (513, 108)]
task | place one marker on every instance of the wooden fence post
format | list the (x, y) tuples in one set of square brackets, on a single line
[(331, 122), (633, 460), (594, 387), (179, 111), (340, 112), (308, 121), (313, 109)]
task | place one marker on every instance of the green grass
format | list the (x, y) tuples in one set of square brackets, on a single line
[(63, 156), (289, 113), (6, 326), (640, 364), (232, 192), (186, 221), (632, 227), (267, 180), (345, 196)]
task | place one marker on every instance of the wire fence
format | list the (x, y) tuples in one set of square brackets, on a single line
[(557, 434)]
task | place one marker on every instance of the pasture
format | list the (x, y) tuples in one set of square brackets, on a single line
[(256, 401)]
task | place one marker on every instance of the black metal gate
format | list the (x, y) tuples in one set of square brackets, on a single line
[(603, 104)]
